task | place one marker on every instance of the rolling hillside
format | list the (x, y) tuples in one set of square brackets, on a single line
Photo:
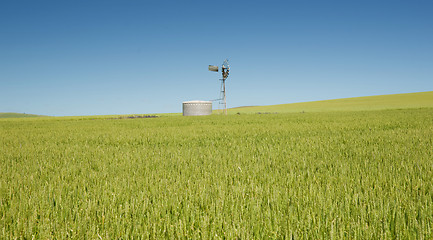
[(380, 102), (18, 115)]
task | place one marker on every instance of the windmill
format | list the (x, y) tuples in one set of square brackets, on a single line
[(225, 69)]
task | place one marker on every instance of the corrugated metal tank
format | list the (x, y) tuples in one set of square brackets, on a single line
[(197, 108)]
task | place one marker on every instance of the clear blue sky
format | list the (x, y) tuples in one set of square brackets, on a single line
[(64, 58)]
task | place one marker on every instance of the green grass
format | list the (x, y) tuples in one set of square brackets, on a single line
[(324, 175), (18, 115), (381, 102)]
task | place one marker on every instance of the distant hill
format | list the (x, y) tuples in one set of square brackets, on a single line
[(380, 102), (18, 115)]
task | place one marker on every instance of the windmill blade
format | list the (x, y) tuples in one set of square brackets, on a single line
[(226, 64)]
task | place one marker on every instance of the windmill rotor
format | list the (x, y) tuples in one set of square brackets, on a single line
[(225, 68)]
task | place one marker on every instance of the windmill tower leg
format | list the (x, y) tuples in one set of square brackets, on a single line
[(221, 99), (225, 99)]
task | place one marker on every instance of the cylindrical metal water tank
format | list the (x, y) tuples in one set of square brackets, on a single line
[(196, 108)]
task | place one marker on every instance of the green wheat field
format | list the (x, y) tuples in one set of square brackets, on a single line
[(359, 168)]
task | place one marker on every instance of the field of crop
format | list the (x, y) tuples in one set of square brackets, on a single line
[(355, 175)]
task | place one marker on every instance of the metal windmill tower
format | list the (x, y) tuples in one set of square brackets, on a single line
[(225, 69)]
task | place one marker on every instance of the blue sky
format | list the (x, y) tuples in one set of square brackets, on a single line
[(64, 58)]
